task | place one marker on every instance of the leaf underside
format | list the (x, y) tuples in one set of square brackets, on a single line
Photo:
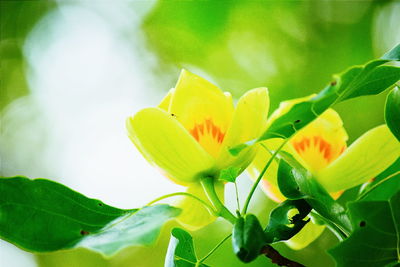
[(296, 182), (42, 216)]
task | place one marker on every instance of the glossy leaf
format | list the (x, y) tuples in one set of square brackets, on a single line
[(369, 79), (296, 182), (376, 238), (281, 225), (392, 112), (247, 238), (229, 175), (41, 216), (384, 186), (181, 251)]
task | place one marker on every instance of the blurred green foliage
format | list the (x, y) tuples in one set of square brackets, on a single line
[(292, 47), (16, 21)]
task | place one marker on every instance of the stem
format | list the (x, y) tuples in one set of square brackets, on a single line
[(214, 249), (277, 258), (253, 189), (222, 211), (376, 185), (205, 204), (237, 196)]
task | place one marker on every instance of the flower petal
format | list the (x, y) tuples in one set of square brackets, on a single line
[(203, 109), (271, 190), (164, 142), (368, 156), (269, 183), (249, 121), (194, 215), (165, 103), (321, 142), (306, 236)]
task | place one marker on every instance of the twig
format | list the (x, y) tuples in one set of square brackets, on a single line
[(277, 258)]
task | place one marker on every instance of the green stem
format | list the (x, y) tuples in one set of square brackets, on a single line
[(214, 249), (205, 204), (376, 185), (222, 211), (237, 197), (253, 189)]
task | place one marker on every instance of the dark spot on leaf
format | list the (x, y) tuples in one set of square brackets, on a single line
[(83, 232), (333, 83), (173, 115), (363, 223), (297, 121), (101, 204)]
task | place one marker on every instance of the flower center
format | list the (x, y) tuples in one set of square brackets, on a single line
[(316, 152), (209, 136)]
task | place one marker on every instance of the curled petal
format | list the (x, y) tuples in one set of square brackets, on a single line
[(368, 156)]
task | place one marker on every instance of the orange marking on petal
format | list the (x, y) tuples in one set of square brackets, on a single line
[(327, 154), (195, 133), (201, 128), (316, 140), (214, 131), (321, 145), (307, 142), (208, 125), (221, 137), (209, 136)]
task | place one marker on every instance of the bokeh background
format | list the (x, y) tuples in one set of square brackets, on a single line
[(72, 71)]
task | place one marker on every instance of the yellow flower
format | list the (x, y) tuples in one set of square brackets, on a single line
[(188, 135), (321, 148)]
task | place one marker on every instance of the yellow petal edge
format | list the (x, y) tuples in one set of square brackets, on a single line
[(164, 142)]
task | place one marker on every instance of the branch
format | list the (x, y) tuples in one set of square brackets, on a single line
[(277, 258)]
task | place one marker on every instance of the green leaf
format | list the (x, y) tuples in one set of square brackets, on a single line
[(41, 216), (369, 79), (358, 81), (392, 112), (247, 238), (296, 182), (281, 225), (181, 251), (229, 175), (393, 54), (376, 238), (384, 186)]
